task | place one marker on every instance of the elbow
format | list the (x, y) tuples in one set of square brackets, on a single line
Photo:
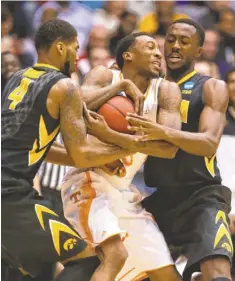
[(211, 147), (81, 159)]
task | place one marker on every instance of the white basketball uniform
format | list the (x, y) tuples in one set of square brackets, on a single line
[(103, 206)]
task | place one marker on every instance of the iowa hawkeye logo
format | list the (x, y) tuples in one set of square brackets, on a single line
[(223, 232), (56, 228)]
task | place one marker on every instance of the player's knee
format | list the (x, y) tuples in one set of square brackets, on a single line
[(216, 269), (114, 252)]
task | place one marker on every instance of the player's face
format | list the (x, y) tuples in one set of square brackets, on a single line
[(146, 56), (71, 57), (10, 64), (181, 45)]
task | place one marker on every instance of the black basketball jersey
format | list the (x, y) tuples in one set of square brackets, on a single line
[(28, 129), (185, 169)]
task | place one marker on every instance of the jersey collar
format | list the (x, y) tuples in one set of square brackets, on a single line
[(186, 77), (44, 65)]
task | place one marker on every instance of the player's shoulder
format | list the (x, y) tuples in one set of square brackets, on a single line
[(169, 88), (63, 88), (99, 75), (213, 82), (168, 85)]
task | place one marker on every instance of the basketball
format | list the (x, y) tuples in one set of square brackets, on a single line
[(115, 111)]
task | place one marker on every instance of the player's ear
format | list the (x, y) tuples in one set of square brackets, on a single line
[(127, 56), (198, 53), (60, 46)]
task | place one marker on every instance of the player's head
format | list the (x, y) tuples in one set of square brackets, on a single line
[(57, 41), (183, 44), (230, 79), (141, 52)]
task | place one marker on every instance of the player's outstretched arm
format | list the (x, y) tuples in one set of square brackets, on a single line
[(211, 123), (73, 129), (98, 89)]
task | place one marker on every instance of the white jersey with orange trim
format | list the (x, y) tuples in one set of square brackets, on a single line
[(100, 206), (134, 162)]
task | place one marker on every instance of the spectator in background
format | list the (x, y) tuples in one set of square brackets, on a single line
[(17, 43), (9, 65), (159, 20), (7, 40), (128, 21), (98, 38), (71, 11), (226, 28), (209, 19), (211, 44), (96, 56), (208, 68), (109, 15), (211, 48)]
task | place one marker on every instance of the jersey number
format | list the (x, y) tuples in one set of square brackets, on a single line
[(184, 111), (18, 94), (184, 107)]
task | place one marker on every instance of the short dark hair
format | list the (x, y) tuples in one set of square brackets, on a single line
[(53, 30), (199, 28), (231, 70), (124, 44)]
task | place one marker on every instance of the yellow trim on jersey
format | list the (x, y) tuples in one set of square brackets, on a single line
[(186, 77), (57, 227), (40, 209), (46, 65), (210, 165), (40, 146), (33, 73)]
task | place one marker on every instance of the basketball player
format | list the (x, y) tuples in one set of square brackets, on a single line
[(191, 205), (37, 103), (101, 206)]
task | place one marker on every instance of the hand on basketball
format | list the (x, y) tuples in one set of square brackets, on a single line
[(95, 123), (147, 129), (135, 94)]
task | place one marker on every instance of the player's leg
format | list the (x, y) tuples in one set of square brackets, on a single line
[(168, 273), (210, 249), (112, 254), (216, 268), (86, 206), (148, 251), (35, 236)]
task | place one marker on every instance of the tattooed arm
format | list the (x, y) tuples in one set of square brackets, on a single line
[(68, 106)]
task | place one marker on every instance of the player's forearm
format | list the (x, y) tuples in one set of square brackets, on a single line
[(161, 149), (59, 156), (96, 153), (95, 97), (156, 148), (194, 143)]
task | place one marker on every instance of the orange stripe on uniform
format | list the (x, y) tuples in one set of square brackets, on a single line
[(85, 205)]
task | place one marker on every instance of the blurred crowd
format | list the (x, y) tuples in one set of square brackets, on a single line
[(100, 26)]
